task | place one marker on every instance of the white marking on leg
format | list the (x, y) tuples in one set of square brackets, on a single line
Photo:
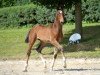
[(54, 58), (43, 60), (53, 61), (64, 60)]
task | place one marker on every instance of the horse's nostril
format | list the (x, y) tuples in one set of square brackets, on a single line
[(62, 21)]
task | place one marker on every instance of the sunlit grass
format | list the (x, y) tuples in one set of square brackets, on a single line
[(12, 45)]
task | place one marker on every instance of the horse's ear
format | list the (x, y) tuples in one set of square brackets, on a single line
[(60, 9)]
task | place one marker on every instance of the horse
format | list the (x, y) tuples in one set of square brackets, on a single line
[(51, 34)]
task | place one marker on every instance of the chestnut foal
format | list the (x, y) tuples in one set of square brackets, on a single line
[(52, 35)]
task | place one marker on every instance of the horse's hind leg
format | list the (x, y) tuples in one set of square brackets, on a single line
[(43, 60), (39, 49), (54, 57), (31, 42)]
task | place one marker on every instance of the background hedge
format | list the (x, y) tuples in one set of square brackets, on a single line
[(17, 16)]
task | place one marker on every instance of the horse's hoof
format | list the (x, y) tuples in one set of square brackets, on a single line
[(25, 71)]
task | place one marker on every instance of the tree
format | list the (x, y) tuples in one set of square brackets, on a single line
[(66, 4), (78, 17)]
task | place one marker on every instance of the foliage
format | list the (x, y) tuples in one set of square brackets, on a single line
[(44, 15), (8, 3), (17, 16), (22, 15), (91, 10), (13, 16)]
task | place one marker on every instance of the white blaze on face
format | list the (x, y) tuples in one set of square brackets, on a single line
[(61, 16), (60, 11)]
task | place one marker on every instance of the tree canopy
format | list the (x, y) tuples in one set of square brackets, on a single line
[(56, 3), (48, 3)]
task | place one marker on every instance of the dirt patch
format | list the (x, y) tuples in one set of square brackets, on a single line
[(74, 67)]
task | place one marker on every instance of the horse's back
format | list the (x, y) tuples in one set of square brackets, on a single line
[(42, 32)]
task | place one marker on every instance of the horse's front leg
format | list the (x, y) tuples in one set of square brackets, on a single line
[(59, 48), (64, 59)]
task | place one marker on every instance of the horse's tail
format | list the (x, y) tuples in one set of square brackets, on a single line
[(27, 38)]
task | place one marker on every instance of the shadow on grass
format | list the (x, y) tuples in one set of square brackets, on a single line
[(90, 41)]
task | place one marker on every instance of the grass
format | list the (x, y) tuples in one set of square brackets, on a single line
[(12, 44)]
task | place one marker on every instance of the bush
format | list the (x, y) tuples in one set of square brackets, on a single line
[(22, 15), (17, 16), (10, 16), (91, 10)]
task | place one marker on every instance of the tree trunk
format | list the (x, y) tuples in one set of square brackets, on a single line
[(78, 18)]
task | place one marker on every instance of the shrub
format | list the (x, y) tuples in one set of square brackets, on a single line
[(32, 14), (91, 10), (22, 15), (11, 16)]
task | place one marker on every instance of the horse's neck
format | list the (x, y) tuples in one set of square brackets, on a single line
[(57, 26)]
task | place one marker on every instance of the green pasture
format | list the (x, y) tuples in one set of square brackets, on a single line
[(12, 45)]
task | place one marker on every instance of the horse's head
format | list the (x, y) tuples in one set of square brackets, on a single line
[(60, 16)]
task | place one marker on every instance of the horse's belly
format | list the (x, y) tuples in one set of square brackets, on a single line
[(44, 36)]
